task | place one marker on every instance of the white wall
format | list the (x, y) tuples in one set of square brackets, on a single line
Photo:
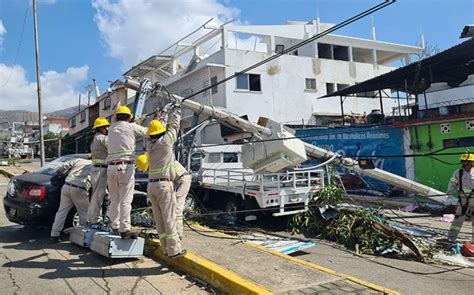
[(283, 96)]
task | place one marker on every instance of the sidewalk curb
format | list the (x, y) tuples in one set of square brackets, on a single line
[(7, 173), (217, 276), (307, 263)]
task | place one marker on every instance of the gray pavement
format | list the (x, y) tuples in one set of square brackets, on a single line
[(405, 276), (29, 264), (275, 273)]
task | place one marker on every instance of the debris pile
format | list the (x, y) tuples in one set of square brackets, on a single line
[(352, 227)]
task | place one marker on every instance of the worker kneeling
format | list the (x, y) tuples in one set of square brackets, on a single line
[(75, 193), (461, 185), (161, 176)]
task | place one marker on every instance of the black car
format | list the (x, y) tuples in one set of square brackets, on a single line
[(33, 198)]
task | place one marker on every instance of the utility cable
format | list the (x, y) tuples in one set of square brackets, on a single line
[(19, 43), (298, 45)]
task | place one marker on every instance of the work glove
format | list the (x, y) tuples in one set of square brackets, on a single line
[(140, 120), (177, 103)]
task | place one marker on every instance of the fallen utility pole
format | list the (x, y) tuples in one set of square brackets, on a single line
[(311, 150), (38, 83)]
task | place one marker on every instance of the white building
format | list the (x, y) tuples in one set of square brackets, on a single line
[(285, 89)]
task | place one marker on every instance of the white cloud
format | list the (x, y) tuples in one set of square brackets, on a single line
[(135, 29), (58, 89), (47, 1), (3, 31)]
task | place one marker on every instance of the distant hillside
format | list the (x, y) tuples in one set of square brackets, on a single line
[(22, 115)]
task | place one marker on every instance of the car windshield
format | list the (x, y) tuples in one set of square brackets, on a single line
[(52, 167)]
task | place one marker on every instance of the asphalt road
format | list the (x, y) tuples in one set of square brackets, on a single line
[(30, 264), (405, 276)]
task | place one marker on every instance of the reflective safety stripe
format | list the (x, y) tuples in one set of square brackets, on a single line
[(168, 236), (455, 228), (119, 154), (179, 218), (172, 137), (162, 169), (99, 162), (79, 179), (454, 180)]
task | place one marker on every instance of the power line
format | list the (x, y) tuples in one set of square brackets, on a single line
[(19, 43), (298, 45)]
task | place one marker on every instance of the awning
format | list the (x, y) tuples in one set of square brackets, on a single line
[(452, 65)]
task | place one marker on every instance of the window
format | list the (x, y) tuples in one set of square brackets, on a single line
[(214, 157), (310, 84), (342, 86), (330, 88), (231, 157), (325, 51), (213, 82), (109, 118), (458, 142), (83, 116), (107, 103), (249, 82), (73, 122)]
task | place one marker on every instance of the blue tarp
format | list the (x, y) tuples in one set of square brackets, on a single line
[(359, 142)]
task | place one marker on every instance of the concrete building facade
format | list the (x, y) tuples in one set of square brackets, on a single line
[(285, 89)]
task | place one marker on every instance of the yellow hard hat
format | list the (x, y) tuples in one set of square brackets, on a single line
[(142, 162), (101, 122), (123, 110), (467, 157), (156, 127)]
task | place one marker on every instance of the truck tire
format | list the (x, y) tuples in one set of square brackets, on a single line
[(232, 204)]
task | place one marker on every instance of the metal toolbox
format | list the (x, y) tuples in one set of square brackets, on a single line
[(112, 246)]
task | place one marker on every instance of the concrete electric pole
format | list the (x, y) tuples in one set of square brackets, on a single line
[(38, 83)]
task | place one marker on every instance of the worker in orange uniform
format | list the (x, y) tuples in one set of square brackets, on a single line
[(163, 171), (99, 171), (121, 170)]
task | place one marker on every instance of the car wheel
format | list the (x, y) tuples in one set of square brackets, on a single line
[(75, 220), (70, 218)]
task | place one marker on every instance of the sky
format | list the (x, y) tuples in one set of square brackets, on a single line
[(84, 39)]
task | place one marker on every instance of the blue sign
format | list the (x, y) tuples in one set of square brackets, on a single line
[(360, 142)]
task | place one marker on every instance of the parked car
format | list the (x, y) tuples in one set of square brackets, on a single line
[(33, 198)]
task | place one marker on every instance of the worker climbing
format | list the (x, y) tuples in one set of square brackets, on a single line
[(461, 185), (74, 193), (163, 173), (121, 170), (99, 171)]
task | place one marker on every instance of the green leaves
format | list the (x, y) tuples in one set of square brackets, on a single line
[(351, 227)]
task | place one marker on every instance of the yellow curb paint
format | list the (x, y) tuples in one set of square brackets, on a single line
[(216, 275), (7, 173), (306, 263)]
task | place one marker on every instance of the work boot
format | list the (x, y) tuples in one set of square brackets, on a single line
[(128, 235), (54, 240), (115, 232), (180, 254)]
